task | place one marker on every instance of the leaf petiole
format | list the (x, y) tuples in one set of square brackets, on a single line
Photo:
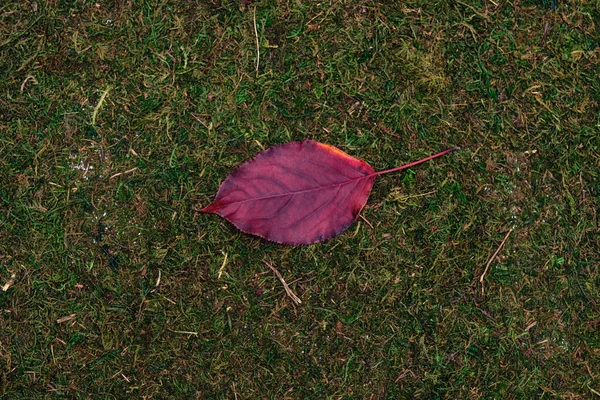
[(421, 161)]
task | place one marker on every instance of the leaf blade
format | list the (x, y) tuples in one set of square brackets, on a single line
[(308, 192)]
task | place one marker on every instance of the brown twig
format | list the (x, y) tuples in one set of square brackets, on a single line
[(122, 173), (289, 292), (366, 221), (546, 30), (481, 279), (403, 374)]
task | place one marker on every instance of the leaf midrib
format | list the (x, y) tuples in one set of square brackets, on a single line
[(293, 193)]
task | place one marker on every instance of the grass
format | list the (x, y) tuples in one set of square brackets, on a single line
[(119, 120)]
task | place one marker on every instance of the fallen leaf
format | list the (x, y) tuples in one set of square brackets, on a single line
[(298, 193)]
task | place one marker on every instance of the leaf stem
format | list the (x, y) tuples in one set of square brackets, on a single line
[(412, 164)]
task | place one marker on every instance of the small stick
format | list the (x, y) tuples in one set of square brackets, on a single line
[(366, 221), (119, 173), (289, 292), (402, 375), (257, 43), (481, 279), (546, 29)]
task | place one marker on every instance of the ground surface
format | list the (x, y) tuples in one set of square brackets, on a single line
[(120, 119)]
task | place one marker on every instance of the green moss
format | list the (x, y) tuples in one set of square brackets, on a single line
[(123, 289)]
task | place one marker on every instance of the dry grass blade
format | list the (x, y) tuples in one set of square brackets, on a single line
[(223, 265), (289, 292), (10, 282), (65, 319), (257, 42), (184, 332), (99, 105)]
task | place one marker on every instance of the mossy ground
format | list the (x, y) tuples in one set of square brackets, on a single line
[(119, 120)]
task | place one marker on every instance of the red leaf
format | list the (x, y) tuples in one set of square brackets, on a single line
[(298, 193)]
